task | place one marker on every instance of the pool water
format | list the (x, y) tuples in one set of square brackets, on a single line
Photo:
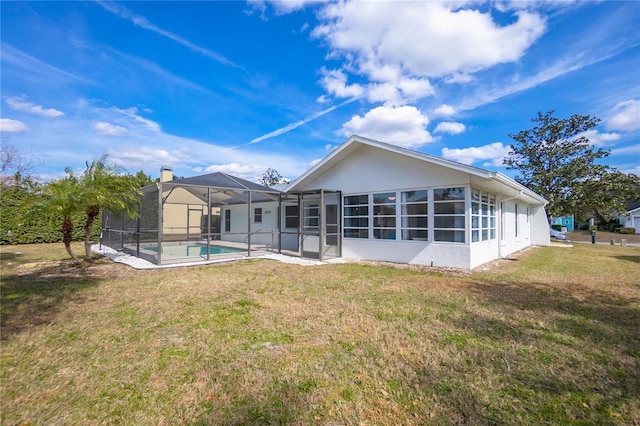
[(194, 250)]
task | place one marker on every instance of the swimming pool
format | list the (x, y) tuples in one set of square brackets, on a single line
[(188, 250)]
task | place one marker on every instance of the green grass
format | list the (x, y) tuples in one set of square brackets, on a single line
[(553, 337)]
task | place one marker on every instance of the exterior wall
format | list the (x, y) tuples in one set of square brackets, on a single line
[(240, 225), (368, 170), (411, 252), (515, 226)]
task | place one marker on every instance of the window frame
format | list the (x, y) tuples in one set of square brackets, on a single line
[(257, 215), (454, 215)]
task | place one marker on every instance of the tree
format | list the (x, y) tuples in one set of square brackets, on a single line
[(99, 187), (556, 160), (270, 177), (103, 187), (62, 197)]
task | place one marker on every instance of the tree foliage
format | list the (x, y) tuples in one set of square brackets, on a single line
[(556, 160), (270, 177)]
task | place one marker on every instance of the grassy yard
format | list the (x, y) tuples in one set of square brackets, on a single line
[(551, 337)]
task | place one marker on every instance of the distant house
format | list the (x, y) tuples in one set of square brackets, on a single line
[(631, 219), (564, 221), (367, 200)]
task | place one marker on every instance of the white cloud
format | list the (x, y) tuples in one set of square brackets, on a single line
[(493, 152), (131, 114), (391, 45), (250, 172), (404, 126), (450, 127), (445, 110), (335, 82), (17, 104), (8, 125), (108, 129), (626, 116), (600, 139)]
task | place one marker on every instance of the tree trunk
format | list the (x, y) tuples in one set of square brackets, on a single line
[(67, 237), (92, 213)]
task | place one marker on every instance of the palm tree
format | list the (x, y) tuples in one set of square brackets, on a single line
[(62, 197), (104, 187)]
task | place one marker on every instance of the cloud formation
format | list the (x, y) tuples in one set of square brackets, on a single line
[(626, 116), (18, 104), (108, 129), (7, 125), (450, 127), (491, 154), (404, 126)]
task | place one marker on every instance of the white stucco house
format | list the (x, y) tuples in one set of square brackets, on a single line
[(631, 218), (369, 200)]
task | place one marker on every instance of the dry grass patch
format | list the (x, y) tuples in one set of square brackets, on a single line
[(551, 337)]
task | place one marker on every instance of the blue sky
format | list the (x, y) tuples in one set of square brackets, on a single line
[(243, 86)]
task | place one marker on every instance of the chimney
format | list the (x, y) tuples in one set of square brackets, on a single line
[(166, 174)]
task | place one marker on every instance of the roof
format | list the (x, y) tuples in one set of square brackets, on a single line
[(495, 179), (222, 189)]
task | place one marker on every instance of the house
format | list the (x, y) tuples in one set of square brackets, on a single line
[(370, 200), (631, 219), (367, 200), (566, 222)]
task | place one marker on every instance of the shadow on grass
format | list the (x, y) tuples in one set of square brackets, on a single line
[(635, 259), (558, 346), (279, 406), (35, 297)]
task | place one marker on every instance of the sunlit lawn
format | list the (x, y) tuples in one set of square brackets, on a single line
[(553, 337)]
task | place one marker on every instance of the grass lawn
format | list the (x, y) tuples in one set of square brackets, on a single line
[(552, 337)]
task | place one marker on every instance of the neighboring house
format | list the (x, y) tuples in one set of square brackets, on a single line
[(631, 219), (564, 221), (367, 200)]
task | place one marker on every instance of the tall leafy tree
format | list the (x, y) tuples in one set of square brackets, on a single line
[(556, 160), (270, 177)]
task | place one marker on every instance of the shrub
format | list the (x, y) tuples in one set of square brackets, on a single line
[(557, 227), (627, 230)]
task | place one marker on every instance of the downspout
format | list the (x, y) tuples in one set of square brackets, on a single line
[(519, 194)]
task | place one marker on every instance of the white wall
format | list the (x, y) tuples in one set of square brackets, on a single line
[(240, 225)]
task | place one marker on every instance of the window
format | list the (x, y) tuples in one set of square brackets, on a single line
[(311, 215), (384, 216), (257, 215), (483, 216), (291, 217), (415, 215), (449, 215), (356, 216), (227, 221)]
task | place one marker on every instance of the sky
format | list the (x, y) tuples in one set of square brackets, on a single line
[(240, 87)]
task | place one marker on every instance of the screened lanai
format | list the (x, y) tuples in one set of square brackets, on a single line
[(208, 217)]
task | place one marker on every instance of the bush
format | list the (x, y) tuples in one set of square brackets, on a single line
[(626, 230), (557, 227)]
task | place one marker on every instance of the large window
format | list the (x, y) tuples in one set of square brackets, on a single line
[(483, 216), (291, 216), (449, 215), (384, 216), (415, 215), (356, 216)]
